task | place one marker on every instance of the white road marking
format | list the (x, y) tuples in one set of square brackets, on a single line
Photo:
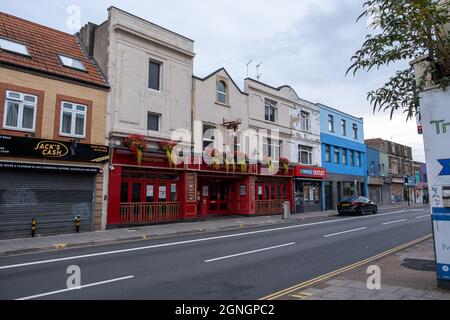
[(75, 288), (191, 241), (425, 216), (250, 252), (391, 222), (348, 231)]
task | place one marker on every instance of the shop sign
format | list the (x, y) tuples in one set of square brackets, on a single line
[(49, 149), (434, 107), (47, 168), (310, 172)]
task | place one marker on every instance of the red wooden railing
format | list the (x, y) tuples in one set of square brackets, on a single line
[(142, 213), (269, 207)]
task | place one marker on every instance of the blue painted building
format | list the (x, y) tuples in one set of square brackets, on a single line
[(343, 155)]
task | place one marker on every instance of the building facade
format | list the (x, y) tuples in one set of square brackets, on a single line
[(343, 155), (52, 132), (400, 169), (420, 171)]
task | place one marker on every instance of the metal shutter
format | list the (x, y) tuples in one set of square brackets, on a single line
[(53, 199)]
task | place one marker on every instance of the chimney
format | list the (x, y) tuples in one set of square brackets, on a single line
[(87, 37)]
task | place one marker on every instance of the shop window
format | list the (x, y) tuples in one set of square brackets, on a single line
[(162, 193), (124, 192), (173, 192), (150, 193), (136, 192)]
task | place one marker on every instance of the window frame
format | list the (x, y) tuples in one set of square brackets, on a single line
[(27, 54), (160, 75), (344, 127), (330, 123), (327, 153), (159, 121), (61, 56), (305, 121), (309, 153), (352, 158), (222, 93), (74, 113), (337, 152), (271, 106), (344, 157), (22, 103), (355, 131)]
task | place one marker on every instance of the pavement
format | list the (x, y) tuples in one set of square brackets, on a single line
[(227, 264), (408, 274), (212, 224)]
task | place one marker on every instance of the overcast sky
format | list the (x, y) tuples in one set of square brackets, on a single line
[(306, 44)]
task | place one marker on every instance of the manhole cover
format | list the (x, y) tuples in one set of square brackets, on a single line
[(419, 264)]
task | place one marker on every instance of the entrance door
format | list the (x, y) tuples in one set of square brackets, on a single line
[(328, 196), (218, 197)]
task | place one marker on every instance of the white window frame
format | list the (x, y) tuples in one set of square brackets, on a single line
[(73, 113), (63, 56), (223, 93), (14, 43), (22, 103), (344, 127), (305, 121), (355, 131), (330, 123), (272, 106), (308, 150)]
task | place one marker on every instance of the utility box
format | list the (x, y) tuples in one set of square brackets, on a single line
[(286, 210)]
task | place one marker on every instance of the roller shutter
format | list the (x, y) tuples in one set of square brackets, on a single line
[(53, 199)]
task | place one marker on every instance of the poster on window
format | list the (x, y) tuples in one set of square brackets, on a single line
[(260, 190), (243, 190), (162, 193), (150, 191)]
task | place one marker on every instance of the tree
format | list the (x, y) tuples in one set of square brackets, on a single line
[(406, 30)]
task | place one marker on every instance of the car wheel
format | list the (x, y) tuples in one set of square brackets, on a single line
[(375, 210), (360, 211)]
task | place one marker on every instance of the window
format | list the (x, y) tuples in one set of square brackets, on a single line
[(336, 155), (222, 92), (72, 63), (355, 131), (330, 123), (13, 46), (327, 153), (344, 157), (358, 159), (20, 111), (305, 121), (272, 148), (270, 110), (208, 136), (73, 120), (352, 158), (154, 75), (344, 127), (153, 121), (372, 168), (305, 154)]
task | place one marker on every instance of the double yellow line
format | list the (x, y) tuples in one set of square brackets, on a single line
[(324, 277)]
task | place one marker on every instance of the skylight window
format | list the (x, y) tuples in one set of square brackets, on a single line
[(12, 46), (72, 63)]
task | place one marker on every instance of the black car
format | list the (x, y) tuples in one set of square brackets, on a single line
[(357, 205)]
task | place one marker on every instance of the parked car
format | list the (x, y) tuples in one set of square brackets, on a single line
[(357, 205)]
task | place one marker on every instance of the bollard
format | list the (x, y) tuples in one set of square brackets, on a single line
[(77, 224), (33, 227)]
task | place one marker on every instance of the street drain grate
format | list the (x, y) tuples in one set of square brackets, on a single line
[(419, 264)]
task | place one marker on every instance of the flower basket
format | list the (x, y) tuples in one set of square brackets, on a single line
[(168, 147), (285, 163), (136, 144), (242, 160), (228, 163)]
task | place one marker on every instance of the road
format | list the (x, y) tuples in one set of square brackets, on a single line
[(246, 264)]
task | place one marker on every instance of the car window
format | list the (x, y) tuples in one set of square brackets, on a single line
[(350, 199), (363, 199)]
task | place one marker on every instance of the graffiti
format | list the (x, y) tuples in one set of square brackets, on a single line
[(20, 196), (435, 196)]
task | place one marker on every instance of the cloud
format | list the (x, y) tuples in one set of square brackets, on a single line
[(306, 44)]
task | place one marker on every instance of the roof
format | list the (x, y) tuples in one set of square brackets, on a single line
[(44, 44), (321, 105), (228, 75)]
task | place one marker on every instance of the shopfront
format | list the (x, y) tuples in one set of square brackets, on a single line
[(398, 190), (50, 181), (154, 191), (308, 188)]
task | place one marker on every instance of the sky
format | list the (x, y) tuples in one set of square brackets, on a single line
[(306, 44)]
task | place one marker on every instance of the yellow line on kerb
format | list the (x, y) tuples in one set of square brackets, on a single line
[(321, 278)]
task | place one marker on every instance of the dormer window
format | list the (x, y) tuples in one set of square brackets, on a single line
[(73, 63), (13, 46), (222, 92)]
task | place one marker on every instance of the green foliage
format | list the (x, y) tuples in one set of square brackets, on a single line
[(406, 30)]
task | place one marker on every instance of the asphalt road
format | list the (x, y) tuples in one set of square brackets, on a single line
[(247, 264)]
